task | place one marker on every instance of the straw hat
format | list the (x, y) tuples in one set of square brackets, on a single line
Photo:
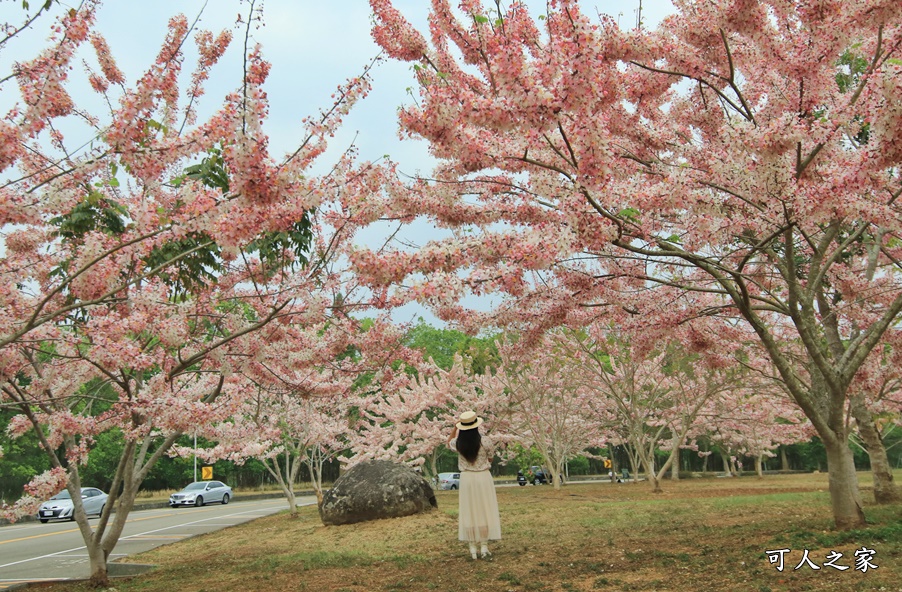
[(469, 420)]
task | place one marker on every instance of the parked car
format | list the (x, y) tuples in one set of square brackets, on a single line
[(449, 481), (200, 493), (61, 507), (540, 475)]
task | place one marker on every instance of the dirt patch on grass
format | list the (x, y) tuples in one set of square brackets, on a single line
[(701, 534)]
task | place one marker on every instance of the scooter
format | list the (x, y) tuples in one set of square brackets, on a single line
[(521, 478)]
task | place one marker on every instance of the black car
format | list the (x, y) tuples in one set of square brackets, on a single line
[(539, 475)]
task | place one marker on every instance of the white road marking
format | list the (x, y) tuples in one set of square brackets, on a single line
[(149, 532)]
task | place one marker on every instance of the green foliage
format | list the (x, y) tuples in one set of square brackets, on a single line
[(439, 344), (629, 214), (524, 457), (196, 258), (851, 67), (94, 397), (103, 460), (22, 460), (46, 6), (443, 344), (578, 465), (269, 246), (197, 266), (812, 456), (211, 171), (808, 456), (95, 213)]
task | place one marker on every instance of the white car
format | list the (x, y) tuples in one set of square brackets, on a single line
[(200, 493), (448, 480), (60, 506)]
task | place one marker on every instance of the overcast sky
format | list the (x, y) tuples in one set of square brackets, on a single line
[(313, 45)]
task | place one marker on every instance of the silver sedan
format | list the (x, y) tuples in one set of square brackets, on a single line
[(61, 507), (200, 493)]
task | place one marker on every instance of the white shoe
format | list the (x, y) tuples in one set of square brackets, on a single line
[(484, 552), (473, 551)]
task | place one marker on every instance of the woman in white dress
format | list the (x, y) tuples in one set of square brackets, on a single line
[(478, 518)]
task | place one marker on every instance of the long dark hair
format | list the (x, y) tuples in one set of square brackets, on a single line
[(468, 443)]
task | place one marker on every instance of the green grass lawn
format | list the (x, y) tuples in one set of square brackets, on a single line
[(700, 534)]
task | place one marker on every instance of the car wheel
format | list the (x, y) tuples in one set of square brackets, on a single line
[(522, 483), (536, 481), (100, 512), (454, 487), (43, 520), (225, 499), (199, 501)]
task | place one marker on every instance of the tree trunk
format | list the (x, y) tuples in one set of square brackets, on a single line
[(286, 478), (634, 462), (845, 497), (675, 466), (433, 463), (784, 461), (726, 464), (759, 468), (655, 482), (651, 473), (885, 490), (292, 501), (100, 577), (97, 556), (104, 538), (556, 468)]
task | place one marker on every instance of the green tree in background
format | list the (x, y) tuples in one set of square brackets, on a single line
[(443, 344)]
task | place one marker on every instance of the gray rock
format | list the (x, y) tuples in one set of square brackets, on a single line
[(376, 489)]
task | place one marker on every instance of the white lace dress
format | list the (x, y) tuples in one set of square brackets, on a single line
[(478, 518)]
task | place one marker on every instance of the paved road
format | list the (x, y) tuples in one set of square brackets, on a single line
[(33, 552)]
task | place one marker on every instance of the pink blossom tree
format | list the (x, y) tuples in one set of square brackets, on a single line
[(408, 417), (719, 154), (546, 402), (143, 272), (754, 423), (306, 391), (654, 398), (285, 432), (876, 401)]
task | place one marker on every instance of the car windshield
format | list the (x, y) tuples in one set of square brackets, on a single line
[(64, 494), (195, 486)]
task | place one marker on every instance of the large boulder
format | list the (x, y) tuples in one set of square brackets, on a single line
[(376, 489)]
